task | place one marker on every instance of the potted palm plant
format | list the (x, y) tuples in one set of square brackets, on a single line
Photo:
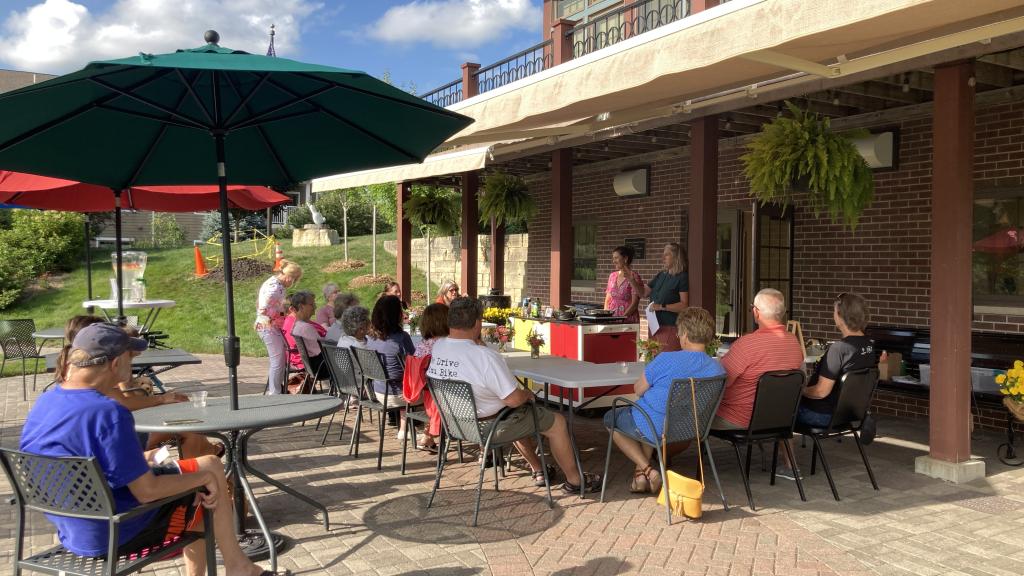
[(801, 153)]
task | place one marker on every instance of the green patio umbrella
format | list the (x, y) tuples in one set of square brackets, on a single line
[(212, 114)]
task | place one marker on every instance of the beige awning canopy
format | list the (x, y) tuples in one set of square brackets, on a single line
[(735, 44), (456, 162), (674, 69)]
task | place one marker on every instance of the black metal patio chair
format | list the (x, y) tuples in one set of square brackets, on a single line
[(17, 342), (76, 487), (346, 383), (774, 415), (457, 406), (678, 425), (313, 376), (371, 366), (855, 391)]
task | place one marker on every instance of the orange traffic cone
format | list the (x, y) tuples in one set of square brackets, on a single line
[(200, 262), (278, 256)]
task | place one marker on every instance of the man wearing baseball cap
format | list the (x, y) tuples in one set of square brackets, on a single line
[(77, 419)]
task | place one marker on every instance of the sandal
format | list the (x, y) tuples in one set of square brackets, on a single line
[(591, 483), (432, 447), (640, 485), (653, 479), (538, 476)]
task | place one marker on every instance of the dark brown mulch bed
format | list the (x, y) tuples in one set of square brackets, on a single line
[(241, 269), (369, 280)]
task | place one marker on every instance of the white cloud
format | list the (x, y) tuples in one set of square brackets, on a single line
[(455, 23), (61, 35)]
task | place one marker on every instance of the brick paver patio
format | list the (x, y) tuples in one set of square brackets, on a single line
[(379, 525)]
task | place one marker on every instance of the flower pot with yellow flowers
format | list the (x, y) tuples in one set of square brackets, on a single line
[(1011, 385)]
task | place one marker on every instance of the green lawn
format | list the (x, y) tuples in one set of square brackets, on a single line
[(197, 322)]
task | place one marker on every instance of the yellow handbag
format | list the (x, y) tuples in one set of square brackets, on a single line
[(685, 494)]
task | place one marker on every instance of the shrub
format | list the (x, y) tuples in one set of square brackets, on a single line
[(167, 233), (35, 243), (239, 221), (360, 211), (299, 217)]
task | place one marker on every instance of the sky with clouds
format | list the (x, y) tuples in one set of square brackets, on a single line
[(420, 43)]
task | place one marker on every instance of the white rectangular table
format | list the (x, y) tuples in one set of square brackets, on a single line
[(574, 375)]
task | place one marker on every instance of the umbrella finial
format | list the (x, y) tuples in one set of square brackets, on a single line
[(211, 37)]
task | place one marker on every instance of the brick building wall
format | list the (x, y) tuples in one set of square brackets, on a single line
[(886, 258)]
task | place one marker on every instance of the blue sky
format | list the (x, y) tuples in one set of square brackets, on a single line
[(421, 43)]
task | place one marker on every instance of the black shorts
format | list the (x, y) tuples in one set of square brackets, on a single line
[(171, 521)]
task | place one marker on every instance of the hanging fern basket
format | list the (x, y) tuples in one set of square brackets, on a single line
[(507, 200), (801, 154)]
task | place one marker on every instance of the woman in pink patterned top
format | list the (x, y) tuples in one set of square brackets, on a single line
[(622, 295), (270, 314)]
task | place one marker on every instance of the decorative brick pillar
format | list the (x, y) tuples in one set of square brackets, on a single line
[(497, 257), (561, 43), (470, 229), (561, 227), (404, 242), (470, 87)]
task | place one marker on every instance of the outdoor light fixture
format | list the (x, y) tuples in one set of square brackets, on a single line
[(879, 150)]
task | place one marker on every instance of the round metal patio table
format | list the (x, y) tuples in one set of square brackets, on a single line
[(234, 428)]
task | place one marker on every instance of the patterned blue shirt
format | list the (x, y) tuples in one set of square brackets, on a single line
[(660, 373)]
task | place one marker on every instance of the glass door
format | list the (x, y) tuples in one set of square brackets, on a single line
[(728, 257), (772, 254)]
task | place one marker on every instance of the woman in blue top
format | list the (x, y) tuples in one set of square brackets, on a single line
[(669, 292), (696, 328), (388, 338)]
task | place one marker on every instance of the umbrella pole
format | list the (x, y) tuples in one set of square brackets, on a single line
[(117, 244), (231, 345), (88, 265)]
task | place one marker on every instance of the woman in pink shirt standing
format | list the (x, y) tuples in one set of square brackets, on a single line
[(622, 295)]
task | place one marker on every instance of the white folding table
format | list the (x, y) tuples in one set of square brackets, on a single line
[(153, 308), (574, 375)]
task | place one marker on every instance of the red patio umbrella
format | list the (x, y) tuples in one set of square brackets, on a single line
[(1009, 241), (46, 193)]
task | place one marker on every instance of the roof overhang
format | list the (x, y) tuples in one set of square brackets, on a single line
[(723, 53)]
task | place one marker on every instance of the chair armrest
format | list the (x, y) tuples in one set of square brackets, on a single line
[(627, 401), (154, 504)]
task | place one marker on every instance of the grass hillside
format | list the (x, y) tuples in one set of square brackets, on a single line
[(197, 322)]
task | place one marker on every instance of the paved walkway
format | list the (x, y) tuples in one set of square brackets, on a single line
[(912, 526)]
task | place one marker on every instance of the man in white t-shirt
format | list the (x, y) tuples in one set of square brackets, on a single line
[(460, 357)]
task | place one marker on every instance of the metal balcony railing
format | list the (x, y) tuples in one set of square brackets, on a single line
[(630, 20), (516, 67), (446, 95)]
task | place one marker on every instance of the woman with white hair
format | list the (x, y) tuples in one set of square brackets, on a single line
[(325, 314)]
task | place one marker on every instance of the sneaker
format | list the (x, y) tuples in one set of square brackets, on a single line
[(868, 429), (402, 435)]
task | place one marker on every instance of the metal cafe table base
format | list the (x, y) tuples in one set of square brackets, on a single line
[(574, 375), (234, 428)]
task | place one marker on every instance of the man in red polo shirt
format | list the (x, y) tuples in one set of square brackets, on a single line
[(770, 347)]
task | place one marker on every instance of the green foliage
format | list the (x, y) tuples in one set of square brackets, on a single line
[(434, 208), (35, 243), (167, 233), (239, 221), (360, 210), (507, 199), (804, 150)]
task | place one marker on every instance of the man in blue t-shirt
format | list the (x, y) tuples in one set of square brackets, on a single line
[(78, 418), (696, 328)]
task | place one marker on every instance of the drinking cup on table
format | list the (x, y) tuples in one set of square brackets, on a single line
[(198, 399), (624, 367)]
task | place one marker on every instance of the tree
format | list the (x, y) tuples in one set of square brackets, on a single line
[(433, 209)]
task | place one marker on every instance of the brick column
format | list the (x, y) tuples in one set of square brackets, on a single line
[(470, 229), (701, 5), (561, 227), (404, 241), (561, 43), (952, 206), (497, 257), (470, 87), (702, 220)]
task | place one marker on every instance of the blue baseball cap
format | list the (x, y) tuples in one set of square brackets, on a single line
[(103, 342)]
